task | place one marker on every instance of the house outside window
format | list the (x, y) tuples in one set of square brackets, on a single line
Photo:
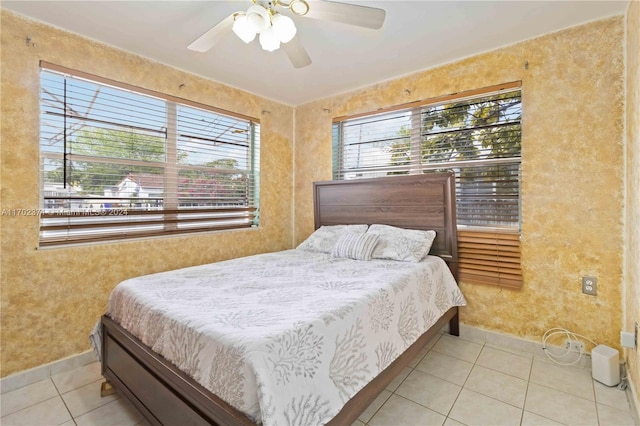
[(119, 162), (476, 135)]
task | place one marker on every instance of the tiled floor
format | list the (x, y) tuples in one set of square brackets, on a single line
[(69, 398), (453, 382)]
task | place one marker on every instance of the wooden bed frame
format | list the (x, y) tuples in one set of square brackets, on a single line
[(167, 396)]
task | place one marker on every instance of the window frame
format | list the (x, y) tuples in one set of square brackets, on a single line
[(488, 254), (60, 227)]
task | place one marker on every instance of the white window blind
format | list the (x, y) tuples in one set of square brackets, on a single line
[(477, 135), (117, 162), (478, 138)]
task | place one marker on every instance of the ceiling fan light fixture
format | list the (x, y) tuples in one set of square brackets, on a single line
[(242, 29), (299, 7), (269, 40), (258, 18), (283, 27)]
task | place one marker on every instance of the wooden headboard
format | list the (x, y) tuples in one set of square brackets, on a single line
[(422, 201)]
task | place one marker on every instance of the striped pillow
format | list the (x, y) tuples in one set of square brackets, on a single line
[(355, 246), (324, 239)]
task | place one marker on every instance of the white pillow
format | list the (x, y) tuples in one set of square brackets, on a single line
[(325, 238), (355, 246), (406, 245)]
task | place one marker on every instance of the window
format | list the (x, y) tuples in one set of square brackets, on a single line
[(121, 162), (477, 135)]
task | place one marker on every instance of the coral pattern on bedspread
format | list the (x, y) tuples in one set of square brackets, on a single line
[(286, 337)]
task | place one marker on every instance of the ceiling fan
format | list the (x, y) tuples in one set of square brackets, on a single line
[(264, 18)]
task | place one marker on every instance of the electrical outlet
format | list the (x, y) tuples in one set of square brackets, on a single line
[(589, 285), (629, 339), (574, 345)]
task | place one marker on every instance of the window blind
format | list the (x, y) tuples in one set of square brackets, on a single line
[(477, 138), (490, 257), (477, 135), (120, 163)]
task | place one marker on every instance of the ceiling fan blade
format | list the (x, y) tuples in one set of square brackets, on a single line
[(207, 40), (297, 53), (352, 14)]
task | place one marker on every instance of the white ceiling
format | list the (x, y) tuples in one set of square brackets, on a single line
[(416, 35)]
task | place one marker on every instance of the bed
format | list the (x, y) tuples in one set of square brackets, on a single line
[(167, 392)]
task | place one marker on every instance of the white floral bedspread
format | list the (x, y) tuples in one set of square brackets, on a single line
[(286, 337)]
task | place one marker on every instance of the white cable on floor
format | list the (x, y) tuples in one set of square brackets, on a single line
[(572, 338)]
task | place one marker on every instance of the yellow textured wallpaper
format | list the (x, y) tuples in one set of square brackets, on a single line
[(572, 203), (632, 243), (573, 173), (50, 299)]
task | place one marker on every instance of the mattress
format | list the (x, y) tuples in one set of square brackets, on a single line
[(288, 337)]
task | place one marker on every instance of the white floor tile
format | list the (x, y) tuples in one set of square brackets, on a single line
[(512, 343), (86, 398), (572, 358), (115, 413), (611, 396), (473, 334), (451, 422), (614, 416), (445, 367), (48, 413), (497, 385), (506, 362), (432, 392), (531, 419), (73, 379), (398, 411), (472, 408), (573, 380), (74, 362), (27, 396), (458, 348), (560, 406)]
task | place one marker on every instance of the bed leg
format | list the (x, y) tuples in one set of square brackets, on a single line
[(106, 389), (454, 326)]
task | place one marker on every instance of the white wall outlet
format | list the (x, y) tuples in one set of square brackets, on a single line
[(627, 339), (574, 345), (589, 285)]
